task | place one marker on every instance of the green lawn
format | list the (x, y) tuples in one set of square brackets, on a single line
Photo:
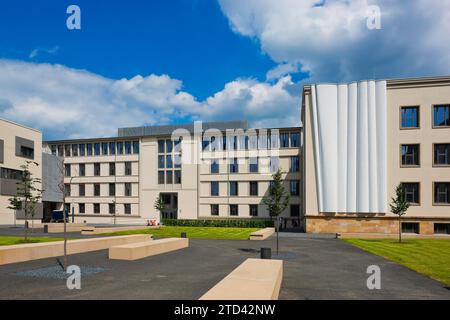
[(6, 241), (429, 257), (195, 232)]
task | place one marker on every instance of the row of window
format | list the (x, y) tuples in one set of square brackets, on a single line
[(12, 174), (96, 149), (441, 193), (97, 169), (294, 188), (128, 189), (253, 166), (410, 117), (169, 177), (252, 141), (233, 210), (410, 154), (414, 227), (112, 208)]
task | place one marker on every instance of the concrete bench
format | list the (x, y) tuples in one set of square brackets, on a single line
[(141, 250), (35, 251), (70, 227), (262, 234), (254, 279), (101, 230)]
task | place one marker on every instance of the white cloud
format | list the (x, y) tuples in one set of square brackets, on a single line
[(69, 103), (330, 39), (35, 52)]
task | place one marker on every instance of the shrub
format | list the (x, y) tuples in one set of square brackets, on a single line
[(221, 223)]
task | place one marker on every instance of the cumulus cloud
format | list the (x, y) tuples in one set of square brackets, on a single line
[(70, 103), (330, 39)]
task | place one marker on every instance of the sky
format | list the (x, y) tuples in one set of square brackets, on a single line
[(139, 62)]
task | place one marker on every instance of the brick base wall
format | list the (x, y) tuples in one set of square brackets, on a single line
[(387, 225)]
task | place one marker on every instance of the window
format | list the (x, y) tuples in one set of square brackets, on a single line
[(295, 210), (26, 152), (169, 177), (67, 170), (81, 208), (81, 190), (53, 148), (442, 154), (295, 164), (160, 177), (97, 149), (295, 140), (295, 188), (112, 189), (82, 149), (234, 188), (60, 151), (214, 188), (128, 190), (135, 147), (253, 166), (82, 169), (169, 146), (224, 144), (442, 193), (97, 190), (161, 162), (177, 177), (169, 162), (67, 150), (75, 150), (120, 147), (89, 149), (442, 228), (112, 208), (96, 169), (410, 227), (214, 209), (11, 174), (253, 208), (112, 169), (234, 210), (254, 188), (127, 208), (410, 117), (410, 155), (234, 167), (412, 192), (112, 148), (104, 148), (161, 146), (67, 190), (128, 168), (96, 208), (128, 147), (214, 166), (442, 116), (284, 137)]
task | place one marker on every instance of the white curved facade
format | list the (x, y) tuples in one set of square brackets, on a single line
[(349, 135)]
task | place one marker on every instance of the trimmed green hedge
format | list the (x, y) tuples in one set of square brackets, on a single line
[(226, 223)]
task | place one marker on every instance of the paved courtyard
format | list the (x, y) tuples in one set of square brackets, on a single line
[(315, 268)]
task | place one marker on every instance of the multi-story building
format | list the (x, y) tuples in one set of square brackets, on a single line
[(202, 170), (18, 144), (363, 139)]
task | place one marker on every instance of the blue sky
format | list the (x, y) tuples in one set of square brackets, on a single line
[(142, 62)]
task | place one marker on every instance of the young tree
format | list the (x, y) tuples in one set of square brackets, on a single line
[(277, 200), (159, 205), (27, 195), (399, 206)]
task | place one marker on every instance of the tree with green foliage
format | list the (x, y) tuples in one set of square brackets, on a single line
[(159, 206), (399, 206), (277, 200), (27, 195)]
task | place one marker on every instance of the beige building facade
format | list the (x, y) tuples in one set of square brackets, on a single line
[(18, 144), (377, 135)]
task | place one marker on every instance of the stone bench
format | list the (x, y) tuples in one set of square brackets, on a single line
[(70, 227), (254, 279), (101, 230), (35, 251), (141, 250), (262, 234)]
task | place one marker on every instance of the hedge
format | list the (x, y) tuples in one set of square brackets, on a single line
[(229, 223)]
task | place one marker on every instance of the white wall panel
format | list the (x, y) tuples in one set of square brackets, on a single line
[(349, 132)]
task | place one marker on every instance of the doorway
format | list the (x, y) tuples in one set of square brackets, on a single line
[(171, 205)]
